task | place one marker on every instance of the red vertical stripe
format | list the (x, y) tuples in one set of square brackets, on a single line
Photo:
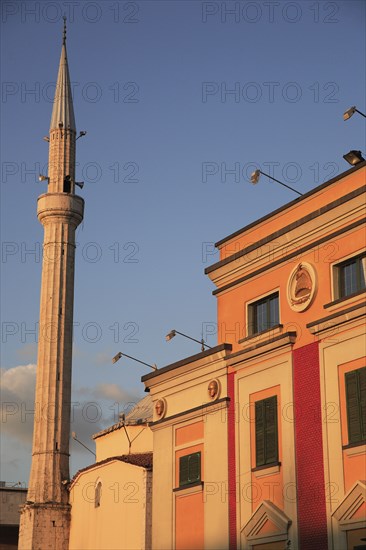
[(311, 509), (232, 462)]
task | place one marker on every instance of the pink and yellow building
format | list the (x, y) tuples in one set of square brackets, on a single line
[(259, 443)]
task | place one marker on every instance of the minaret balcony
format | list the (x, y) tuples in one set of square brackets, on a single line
[(64, 207)]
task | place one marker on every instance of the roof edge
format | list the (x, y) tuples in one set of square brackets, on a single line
[(186, 361), (289, 204)]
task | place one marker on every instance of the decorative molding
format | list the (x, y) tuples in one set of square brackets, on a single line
[(263, 472), (301, 287), (193, 413), (283, 258), (272, 344), (326, 323), (352, 501), (267, 511)]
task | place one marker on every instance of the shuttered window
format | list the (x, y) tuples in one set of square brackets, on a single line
[(266, 436), (189, 469), (356, 405)]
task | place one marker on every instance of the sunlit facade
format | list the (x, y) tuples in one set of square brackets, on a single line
[(274, 456)]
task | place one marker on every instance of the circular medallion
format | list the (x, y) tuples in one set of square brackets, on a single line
[(213, 389), (301, 287), (160, 408)]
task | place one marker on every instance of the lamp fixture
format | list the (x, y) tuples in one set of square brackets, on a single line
[(353, 157), (41, 177), (350, 112), (174, 332), (254, 178), (120, 354), (46, 138), (81, 134)]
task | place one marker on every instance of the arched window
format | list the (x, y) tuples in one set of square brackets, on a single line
[(98, 494)]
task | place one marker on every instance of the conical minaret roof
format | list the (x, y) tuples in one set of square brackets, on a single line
[(63, 110)]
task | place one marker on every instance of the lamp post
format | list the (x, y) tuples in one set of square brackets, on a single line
[(350, 112), (174, 332), (73, 435), (254, 178), (120, 354)]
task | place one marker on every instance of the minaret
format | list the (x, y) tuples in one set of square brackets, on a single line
[(45, 518)]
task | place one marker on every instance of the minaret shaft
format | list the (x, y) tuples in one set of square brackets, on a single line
[(53, 389), (61, 161), (45, 518)]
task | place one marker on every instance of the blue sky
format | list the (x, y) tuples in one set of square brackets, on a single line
[(181, 100)]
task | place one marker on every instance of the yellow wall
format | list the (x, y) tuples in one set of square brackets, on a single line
[(271, 375), (187, 427), (116, 443), (120, 520), (342, 467)]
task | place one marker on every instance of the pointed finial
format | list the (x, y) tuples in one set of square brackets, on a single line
[(64, 35)]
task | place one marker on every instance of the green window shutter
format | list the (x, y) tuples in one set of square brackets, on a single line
[(259, 433), (271, 437), (355, 398), (194, 467), (189, 469), (266, 431), (183, 470)]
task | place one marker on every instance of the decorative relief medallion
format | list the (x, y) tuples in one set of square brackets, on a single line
[(160, 408), (301, 287), (213, 389)]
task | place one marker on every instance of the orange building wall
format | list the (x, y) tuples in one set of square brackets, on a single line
[(189, 433), (189, 522), (189, 502), (232, 320)]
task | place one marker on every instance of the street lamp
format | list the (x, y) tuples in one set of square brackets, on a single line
[(350, 112), (254, 178), (73, 435), (353, 157), (174, 332), (120, 354)]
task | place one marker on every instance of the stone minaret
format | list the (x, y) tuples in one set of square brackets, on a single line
[(45, 518)]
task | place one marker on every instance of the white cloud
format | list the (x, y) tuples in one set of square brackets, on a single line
[(93, 408), (17, 396)]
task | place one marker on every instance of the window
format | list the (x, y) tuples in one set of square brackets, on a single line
[(98, 494), (263, 314), (356, 405), (351, 275), (189, 469), (266, 439)]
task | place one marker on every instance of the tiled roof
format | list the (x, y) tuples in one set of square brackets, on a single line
[(141, 460), (140, 414)]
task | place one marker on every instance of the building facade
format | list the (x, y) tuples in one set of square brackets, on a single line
[(274, 457), (12, 497), (111, 504)]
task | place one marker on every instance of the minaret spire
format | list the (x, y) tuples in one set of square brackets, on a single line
[(64, 33), (45, 518), (63, 109)]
